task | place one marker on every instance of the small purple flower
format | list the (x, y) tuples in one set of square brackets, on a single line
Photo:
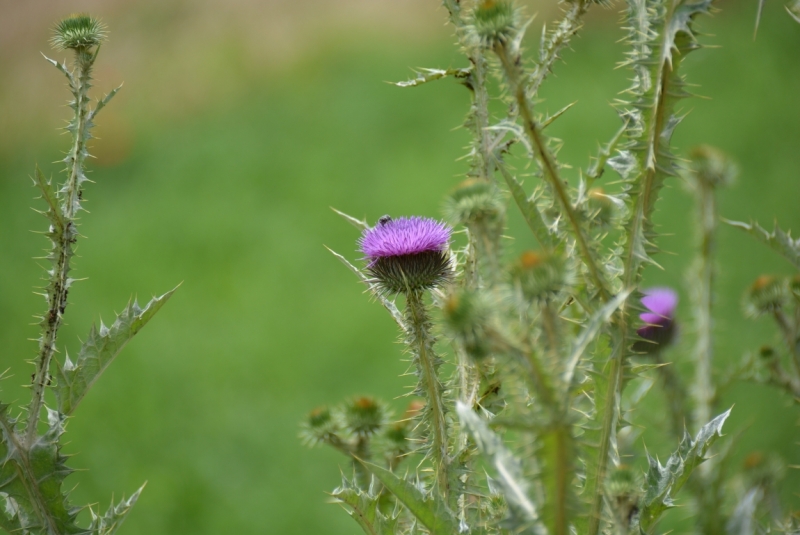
[(659, 322), (407, 253)]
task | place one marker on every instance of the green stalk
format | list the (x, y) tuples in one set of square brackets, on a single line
[(421, 341), (63, 238), (549, 165)]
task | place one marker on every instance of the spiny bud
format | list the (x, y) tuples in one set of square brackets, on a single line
[(601, 207), (475, 202), (540, 275), (407, 254), (495, 22), (711, 166), (622, 487), (364, 416), (78, 32), (765, 296), (320, 426), (466, 315)]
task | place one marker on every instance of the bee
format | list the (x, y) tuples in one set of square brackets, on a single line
[(384, 220)]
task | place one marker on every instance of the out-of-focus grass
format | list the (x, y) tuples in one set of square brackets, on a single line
[(233, 202)]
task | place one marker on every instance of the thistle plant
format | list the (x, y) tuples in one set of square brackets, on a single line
[(530, 370), (33, 467)]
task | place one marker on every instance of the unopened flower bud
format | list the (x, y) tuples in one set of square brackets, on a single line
[(766, 295), (711, 166), (495, 22), (466, 314), (540, 275), (364, 416), (475, 202), (78, 32)]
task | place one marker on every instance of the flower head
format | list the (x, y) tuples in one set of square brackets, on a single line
[(78, 32), (659, 321), (407, 253)]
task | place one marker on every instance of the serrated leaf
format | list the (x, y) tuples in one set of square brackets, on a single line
[(364, 508), (428, 508), (664, 481), (101, 103), (115, 515), (33, 477), (509, 475), (99, 350), (429, 75), (54, 213), (360, 224), (777, 240)]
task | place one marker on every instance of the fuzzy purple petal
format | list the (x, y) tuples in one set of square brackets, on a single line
[(404, 236), (661, 302)]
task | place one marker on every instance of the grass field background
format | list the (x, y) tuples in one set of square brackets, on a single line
[(239, 125)]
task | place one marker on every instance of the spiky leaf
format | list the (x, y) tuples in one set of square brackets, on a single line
[(115, 515), (778, 240), (428, 508), (664, 481), (509, 476), (97, 352), (364, 508)]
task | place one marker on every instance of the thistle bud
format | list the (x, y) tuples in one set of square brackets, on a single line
[(364, 416), (407, 254), (495, 22), (466, 314), (766, 295), (540, 275), (601, 207), (320, 426), (711, 166), (475, 202), (78, 32), (622, 487)]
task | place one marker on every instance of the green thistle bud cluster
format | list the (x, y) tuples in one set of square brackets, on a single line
[(78, 32), (475, 202), (495, 22), (765, 296), (466, 314), (540, 276)]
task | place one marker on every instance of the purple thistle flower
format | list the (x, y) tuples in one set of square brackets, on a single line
[(407, 253), (659, 321)]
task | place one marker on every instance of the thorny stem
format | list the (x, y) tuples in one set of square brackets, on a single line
[(561, 462), (65, 238), (421, 341), (549, 165), (703, 389)]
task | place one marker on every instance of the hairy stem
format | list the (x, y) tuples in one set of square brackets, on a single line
[(64, 239), (421, 343), (703, 390), (676, 396)]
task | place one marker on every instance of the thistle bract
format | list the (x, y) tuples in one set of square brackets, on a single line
[(659, 321), (78, 31), (407, 253)]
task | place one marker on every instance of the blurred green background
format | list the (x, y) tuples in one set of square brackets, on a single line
[(239, 124)]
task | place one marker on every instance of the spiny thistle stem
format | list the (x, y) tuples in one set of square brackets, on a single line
[(561, 465), (421, 342), (548, 162), (70, 196), (675, 393), (703, 388)]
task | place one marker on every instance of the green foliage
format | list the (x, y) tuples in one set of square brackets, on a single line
[(778, 240), (32, 467)]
